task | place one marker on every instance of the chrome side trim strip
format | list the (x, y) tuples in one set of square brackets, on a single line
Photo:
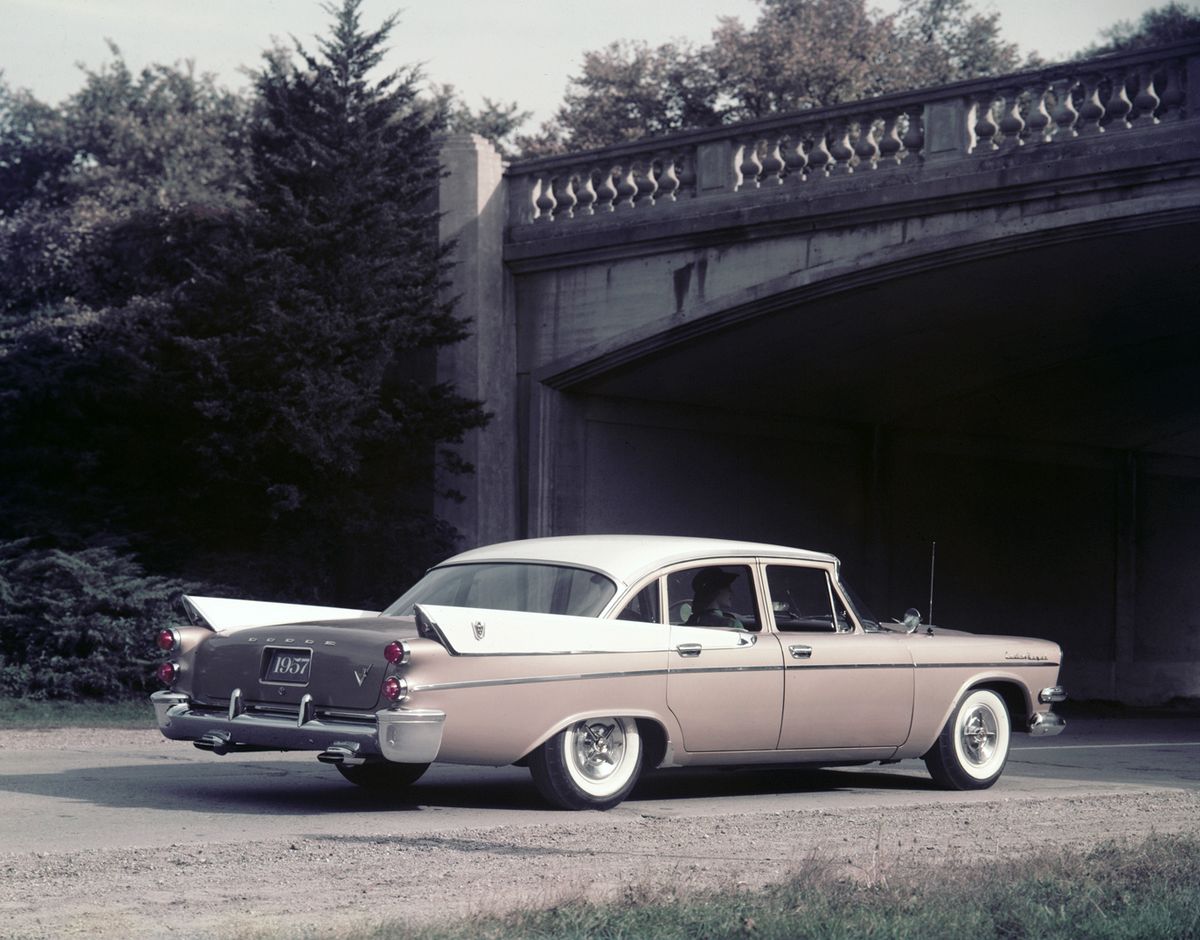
[(1006, 664), (577, 677), (485, 683), (808, 664)]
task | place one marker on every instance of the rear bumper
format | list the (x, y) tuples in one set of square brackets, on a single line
[(404, 735)]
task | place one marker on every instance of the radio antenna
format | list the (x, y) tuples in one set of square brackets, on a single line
[(932, 566)]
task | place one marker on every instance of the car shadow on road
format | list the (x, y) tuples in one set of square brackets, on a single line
[(265, 787)]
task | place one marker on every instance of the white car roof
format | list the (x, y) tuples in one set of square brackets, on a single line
[(625, 558)]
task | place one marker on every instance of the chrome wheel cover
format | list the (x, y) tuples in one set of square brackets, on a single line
[(601, 754), (977, 734)]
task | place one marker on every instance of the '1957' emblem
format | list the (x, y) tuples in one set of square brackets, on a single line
[(477, 626)]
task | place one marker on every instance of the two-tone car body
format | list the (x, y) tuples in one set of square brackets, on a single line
[(587, 659)]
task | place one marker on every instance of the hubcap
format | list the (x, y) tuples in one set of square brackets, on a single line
[(598, 748), (978, 736)]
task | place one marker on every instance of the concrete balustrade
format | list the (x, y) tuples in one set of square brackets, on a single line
[(1036, 108)]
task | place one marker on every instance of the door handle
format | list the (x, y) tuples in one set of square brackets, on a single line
[(688, 649), (800, 651)]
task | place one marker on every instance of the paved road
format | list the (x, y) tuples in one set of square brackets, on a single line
[(141, 790)]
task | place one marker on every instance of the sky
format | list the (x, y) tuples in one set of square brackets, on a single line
[(507, 50)]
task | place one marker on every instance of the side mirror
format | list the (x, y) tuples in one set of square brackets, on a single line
[(912, 620)]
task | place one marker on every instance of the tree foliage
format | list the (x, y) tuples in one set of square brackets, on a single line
[(219, 321), (1172, 22), (79, 624), (797, 54), (496, 121)]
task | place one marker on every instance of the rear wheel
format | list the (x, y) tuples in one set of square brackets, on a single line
[(383, 776), (593, 764), (972, 749)]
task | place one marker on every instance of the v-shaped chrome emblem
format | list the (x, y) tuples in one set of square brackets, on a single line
[(362, 676)]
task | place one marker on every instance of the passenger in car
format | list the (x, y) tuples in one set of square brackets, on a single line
[(712, 596)]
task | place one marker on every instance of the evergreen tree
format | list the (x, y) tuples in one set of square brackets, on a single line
[(315, 323), (218, 326)]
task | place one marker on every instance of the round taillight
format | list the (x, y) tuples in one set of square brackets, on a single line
[(167, 640), (167, 673), (395, 689), (396, 653)]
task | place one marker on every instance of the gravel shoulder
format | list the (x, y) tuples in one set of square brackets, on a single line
[(332, 883)]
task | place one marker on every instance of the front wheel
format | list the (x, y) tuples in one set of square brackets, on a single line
[(593, 764), (382, 776), (972, 749)]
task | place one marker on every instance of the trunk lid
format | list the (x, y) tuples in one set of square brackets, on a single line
[(340, 663)]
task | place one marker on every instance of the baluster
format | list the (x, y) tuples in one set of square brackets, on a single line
[(1146, 101), (914, 134), (585, 193), (1012, 123), (819, 157), (1171, 105), (841, 151), (1065, 115), (668, 179), (564, 193), (1039, 118), (772, 162), (794, 157), (545, 201), (865, 148), (626, 187), (647, 184), (686, 171), (1091, 110), (749, 166), (890, 144), (606, 192), (1118, 107), (985, 128)]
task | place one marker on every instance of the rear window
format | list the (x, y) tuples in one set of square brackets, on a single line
[(536, 588)]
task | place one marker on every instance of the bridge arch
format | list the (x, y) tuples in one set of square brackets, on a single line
[(991, 346)]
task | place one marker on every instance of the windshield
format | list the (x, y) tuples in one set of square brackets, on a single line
[(536, 588), (870, 623)]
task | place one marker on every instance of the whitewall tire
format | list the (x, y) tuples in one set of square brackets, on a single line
[(592, 764), (972, 749)]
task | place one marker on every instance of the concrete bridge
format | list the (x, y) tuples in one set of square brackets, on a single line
[(965, 314)]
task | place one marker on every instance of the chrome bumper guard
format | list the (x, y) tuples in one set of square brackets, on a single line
[(405, 735), (1046, 723)]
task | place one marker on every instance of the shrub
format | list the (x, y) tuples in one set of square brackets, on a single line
[(79, 624)]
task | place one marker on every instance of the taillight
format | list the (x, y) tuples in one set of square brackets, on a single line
[(396, 653), (167, 640), (167, 673), (395, 689)]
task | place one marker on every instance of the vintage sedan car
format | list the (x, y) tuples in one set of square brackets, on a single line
[(590, 658)]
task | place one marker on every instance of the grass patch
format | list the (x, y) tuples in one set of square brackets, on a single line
[(1113, 892), (30, 714)]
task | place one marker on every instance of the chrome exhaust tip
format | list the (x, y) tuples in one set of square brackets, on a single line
[(215, 741)]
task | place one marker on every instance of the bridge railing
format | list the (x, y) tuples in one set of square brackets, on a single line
[(802, 150)]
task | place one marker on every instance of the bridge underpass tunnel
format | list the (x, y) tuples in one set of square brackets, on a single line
[(1034, 411)]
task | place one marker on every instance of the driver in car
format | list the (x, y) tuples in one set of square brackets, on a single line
[(712, 596)]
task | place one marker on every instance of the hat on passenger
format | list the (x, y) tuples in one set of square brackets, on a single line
[(708, 581)]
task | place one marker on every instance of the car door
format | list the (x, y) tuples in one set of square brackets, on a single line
[(843, 688), (724, 683)]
